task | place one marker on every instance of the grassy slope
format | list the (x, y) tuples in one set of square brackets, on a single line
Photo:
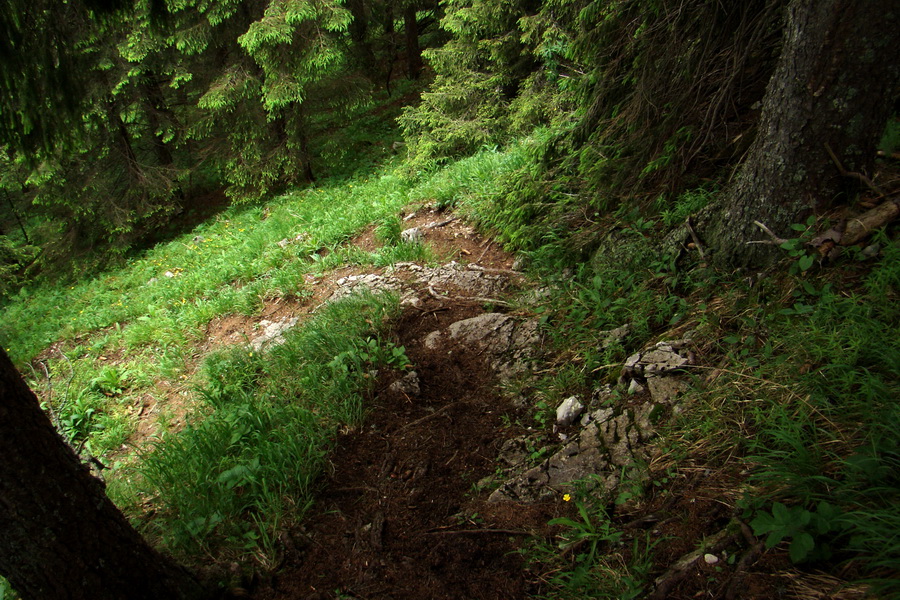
[(110, 340), (802, 397)]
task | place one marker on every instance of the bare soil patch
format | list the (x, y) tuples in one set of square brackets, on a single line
[(400, 515)]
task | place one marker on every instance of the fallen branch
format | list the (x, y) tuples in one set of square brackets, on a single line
[(679, 570), (442, 223), (861, 226), (479, 299), (852, 174), (733, 588), (696, 239), (775, 241), (427, 417), (491, 271), (486, 248)]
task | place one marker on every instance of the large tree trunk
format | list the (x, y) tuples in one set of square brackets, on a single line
[(413, 50), (833, 87), (61, 536)]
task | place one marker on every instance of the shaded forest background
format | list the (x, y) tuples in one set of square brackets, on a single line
[(116, 122)]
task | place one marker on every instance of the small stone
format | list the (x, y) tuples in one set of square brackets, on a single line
[(871, 251), (710, 559), (613, 336), (433, 340), (408, 385), (634, 387), (169, 274), (284, 243), (152, 281), (568, 411), (412, 301), (199, 239), (411, 236), (631, 363)]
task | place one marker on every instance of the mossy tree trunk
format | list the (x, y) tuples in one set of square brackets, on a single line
[(61, 536), (834, 87)]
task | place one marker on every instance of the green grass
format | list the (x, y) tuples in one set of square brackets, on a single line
[(247, 464), (258, 428), (590, 558), (229, 265)]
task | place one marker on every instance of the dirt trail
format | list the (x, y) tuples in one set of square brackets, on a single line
[(400, 514)]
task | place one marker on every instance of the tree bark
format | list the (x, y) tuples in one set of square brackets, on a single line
[(359, 34), (834, 86), (62, 537), (413, 50)]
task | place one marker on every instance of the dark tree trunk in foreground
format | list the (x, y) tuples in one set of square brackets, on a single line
[(833, 87), (60, 536)]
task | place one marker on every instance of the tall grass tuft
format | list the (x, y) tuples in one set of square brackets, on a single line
[(247, 465)]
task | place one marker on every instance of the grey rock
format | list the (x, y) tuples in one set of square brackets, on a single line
[(411, 300), (634, 387), (568, 411), (664, 390), (412, 235), (370, 283), (514, 451), (871, 251), (607, 445), (470, 281), (508, 343), (408, 384), (602, 415), (273, 332), (664, 357), (612, 336), (433, 340), (662, 360)]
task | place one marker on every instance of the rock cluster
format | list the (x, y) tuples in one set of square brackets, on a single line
[(508, 343), (606, 441), (273, 332), (413, 281)]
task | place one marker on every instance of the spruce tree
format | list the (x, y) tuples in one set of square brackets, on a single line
[(477, 76)]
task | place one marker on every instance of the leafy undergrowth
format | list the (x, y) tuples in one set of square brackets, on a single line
[(787, 443)]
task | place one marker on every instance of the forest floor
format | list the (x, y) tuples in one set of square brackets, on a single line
[(403, 510), (401, 513)]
